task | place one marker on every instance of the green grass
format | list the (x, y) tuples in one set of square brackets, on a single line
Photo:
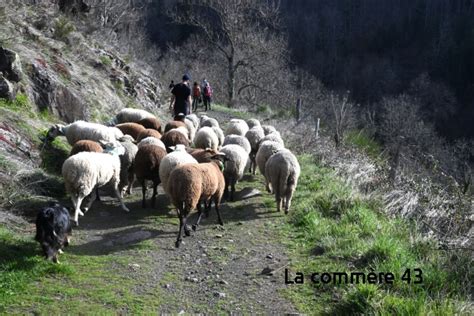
[(46, 115), (6, 164), (81, 284), (20, 103), (331, 230), (105, 60), (237, 113), (54, 154), (363, 141)]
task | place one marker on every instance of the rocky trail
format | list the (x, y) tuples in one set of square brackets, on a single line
[(235, 268)]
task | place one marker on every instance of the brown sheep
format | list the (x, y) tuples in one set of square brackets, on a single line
[(151, 122), (202, 155), (86, 145), (174, 124), (173, 138), (132, 129), (147, 165), (148, 133), (191, 183)]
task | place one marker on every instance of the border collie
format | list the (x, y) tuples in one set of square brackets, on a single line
[(53, 228)]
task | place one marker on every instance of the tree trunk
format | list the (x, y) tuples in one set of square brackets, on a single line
[(298, 110), (231, 82)]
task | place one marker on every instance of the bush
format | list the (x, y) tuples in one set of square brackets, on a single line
[(263, 108), (62, 29), (54, 154), (362, 140), (105, 60)]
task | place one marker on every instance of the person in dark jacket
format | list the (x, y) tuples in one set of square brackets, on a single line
[(181, 99)]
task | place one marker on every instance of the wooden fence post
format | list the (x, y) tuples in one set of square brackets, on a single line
[(317, 128)]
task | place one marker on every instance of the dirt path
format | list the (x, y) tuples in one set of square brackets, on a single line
[(216, 269)]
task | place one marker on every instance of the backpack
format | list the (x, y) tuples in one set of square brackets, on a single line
[(207, 91)]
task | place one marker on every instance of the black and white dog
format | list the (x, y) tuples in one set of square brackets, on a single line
[(53, 228)]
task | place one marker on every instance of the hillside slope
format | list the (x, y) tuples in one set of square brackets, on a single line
[(52, 74)]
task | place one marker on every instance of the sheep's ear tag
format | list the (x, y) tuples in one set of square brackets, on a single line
[(221, 165)]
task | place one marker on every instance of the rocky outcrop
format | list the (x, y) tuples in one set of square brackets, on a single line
[(10, 64), (80, 81)]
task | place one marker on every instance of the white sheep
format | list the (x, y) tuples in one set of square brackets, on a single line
[(219, 134), (85, 171), (82, 130), (193, 118), (127, 160), (206, 138), (151, 141), (253, 122), (170, 161), (274, 137), (265, 150), (254, 136), (268, 129), (191, 129), (282, 171), (132, 115), (208, 121), (234, 166), (237, 127), (238, 140)]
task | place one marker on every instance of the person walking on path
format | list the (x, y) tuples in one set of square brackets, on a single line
[(196, 96), (207, 95), (181, 98)]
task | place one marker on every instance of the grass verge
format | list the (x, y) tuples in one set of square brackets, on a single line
[(331, 230), (236, 113), (81, 284), (363, 141)]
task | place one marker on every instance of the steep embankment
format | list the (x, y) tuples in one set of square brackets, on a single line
[(52, 74)]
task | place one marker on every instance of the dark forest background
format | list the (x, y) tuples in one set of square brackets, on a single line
[(373, 49)]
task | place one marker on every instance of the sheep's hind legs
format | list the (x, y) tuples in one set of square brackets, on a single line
[(92, 198), (143, 193), (155, 193), (77, 201), (179, 239), (200, 212), (117, 194), (219, 218), (187, 231)]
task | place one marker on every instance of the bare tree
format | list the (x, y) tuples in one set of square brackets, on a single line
[(244, 33), (341, 114)]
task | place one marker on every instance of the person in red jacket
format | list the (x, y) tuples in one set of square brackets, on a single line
[(207, 95), (196, 96)]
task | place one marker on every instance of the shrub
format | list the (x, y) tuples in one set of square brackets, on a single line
[(105, 60), (62, 29)]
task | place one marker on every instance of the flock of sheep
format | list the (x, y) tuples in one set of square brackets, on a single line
[(193, 158)]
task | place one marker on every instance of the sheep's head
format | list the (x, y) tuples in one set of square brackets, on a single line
[(126, 138), (54, 131), (113, 148), (178, 147)]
